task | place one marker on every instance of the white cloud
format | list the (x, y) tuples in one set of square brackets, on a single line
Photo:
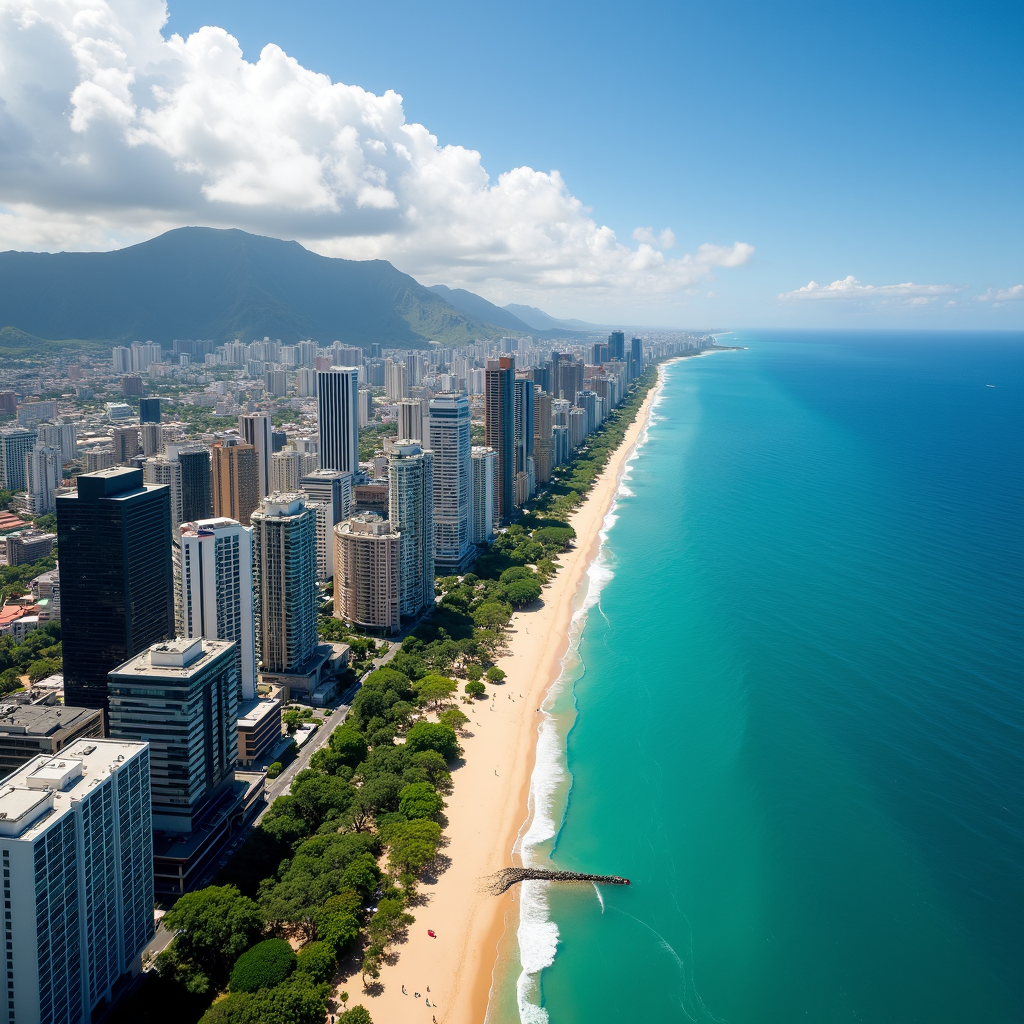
[(850, 289), (110, 133), (998, 297)]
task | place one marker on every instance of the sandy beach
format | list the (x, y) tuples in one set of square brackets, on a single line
[(489, 803)]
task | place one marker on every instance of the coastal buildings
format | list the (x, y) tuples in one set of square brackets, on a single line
[(543, 445), (499, 432), (28, 730), (411, 513), (254, 428), (15, 444), (636, 358), (284, 578), (115, 577), (522, 438), (483, 461), (367, 573), (234, 476), (213, 571), (338, 419), (448, 440), (77, 846)]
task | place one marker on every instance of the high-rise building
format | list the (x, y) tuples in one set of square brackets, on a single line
[(28, 730), (482, 520), (587, 401), (152, 439), (617, 345), (149, 410), (499, 432), (285, 470), (284, 577), (15, 444), (338, 419), (32, 413), (411, 513), (522, 434), (395, 386), (125, 444), (600, 353), (307, 382), (448, 440), (636, 358), (62, 436), (542, 444), (367, 572), (213, 573), (255, 429), (276, 382), (122, 359), (116, 580), (132, 385), (412, 415), (577, 426), (77, 845), (160, 470), (234, 476), (331, 491), (43, 475), (196, 481), (180, 697), (365, 401)]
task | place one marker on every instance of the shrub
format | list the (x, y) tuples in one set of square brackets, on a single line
[(317, 959), (274, 770), (357, 1015), (267, 964)]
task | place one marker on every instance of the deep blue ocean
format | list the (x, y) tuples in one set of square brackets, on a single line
[(795, 715)]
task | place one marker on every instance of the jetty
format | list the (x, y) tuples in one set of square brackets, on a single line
[(506, 878)]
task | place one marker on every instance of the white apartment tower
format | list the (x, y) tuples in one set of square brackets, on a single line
[(411, 514), (337, 407), (255, 429), (284, 578), (213, 575), (76, 839), (412, 416), (159, 470), (43, 475), (448, 439), (483, 461), (394, 380)]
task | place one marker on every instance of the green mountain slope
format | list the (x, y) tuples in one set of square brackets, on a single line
[(224, 284)]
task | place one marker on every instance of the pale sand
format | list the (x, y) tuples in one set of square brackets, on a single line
[(486, 810)]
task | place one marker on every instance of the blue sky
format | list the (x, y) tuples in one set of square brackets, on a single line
[(880, 142)]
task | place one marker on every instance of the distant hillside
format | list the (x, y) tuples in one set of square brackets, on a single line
[(538, 320), (220, 285), (476, 305)]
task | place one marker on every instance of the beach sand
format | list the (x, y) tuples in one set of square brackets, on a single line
[(489, 803)]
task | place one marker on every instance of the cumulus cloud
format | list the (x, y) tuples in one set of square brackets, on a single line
[(110, 133), (850, 289), (998, 297)]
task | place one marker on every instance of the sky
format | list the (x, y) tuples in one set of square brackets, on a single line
[(698, 165)]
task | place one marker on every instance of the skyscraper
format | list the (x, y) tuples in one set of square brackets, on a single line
[(483, 461), (126, 444), (213, 572), (617, 345), (284, 578), (543, 452), (337, 407), (636, 358), (255, 428), (235, 481), (285, 470), (149, 410), (43, 475), (411, 513), (499, 432), (331, 492), (115, 577), (395, 387), (180, 697), (522, 437), (152, 439), (412, 416), (367, 572), (196, 496), (78, 877), (160, 470), (15, 444), (448, 440)]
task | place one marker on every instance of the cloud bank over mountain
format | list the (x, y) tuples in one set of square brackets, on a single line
[(110, 133)]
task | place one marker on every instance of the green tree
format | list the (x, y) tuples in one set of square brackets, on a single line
[(41, 669), (411, 844), (357, 1015), (420, 800), (516, 572), (453, 717), (274, 769), (495, 674), (349, 745), (492, 615), (212, 927), (435, 691), (431, 736), (266, 964), (474, 672), (318, 960), (431, 767), (522, 592), (475, 688)]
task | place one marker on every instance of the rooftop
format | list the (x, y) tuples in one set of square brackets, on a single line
[(173, 659), (41, 719), (252, 712)]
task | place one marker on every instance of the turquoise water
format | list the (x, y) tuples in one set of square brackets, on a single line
[(795, 719)]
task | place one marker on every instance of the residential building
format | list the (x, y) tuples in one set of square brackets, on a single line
[(254, 429), (286, 470), (62, 436), (77, 846), (160, 470), (499, 432), (522, 436), (365, 402), (213, 577), (587, 401), (448, 439), (15, 444), (152, 439), (31, 413), (43, 475), (115, 577), (132, 386), (196, 480), (98, 459), (331, 493), (259, 730), (276, 382), (125, 444), (28, 730), (180, 697), (338, 418), (543, 445), (284, 575), (122, 359), (483, 461), (411, 513), (636, 358), (394, 380), (367, 574), (412, 416), (306, 377), (235, 481), (371, 497)]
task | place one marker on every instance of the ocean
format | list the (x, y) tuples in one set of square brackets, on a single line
[(792, 714)]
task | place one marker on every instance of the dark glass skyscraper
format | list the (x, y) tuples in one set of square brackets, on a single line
[(149, 410), (617, 345), (499, 431), (196, 498), (636, 357), (116, 581)]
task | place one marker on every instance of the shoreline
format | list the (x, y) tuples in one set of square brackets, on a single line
[(490, 804)]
